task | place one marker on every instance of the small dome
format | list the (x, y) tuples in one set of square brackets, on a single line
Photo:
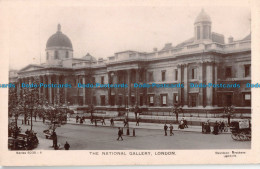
[(59, 40), (203, 17)]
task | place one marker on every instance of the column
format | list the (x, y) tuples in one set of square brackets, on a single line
[(77, 90), (201, 77), (18, 88), (39, 89), (137, 71), (50, 90), (145, 89), (209, 79), (116, 74), (44, 89), (185, 80), (179, 68), (84, 90), (57, 89), (66, 91), (109, 89), (129, 86), (215, 99)]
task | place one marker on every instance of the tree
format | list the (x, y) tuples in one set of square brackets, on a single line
[(228, 111), (176, 109)]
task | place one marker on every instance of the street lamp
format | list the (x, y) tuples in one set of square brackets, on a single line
[(127, 132)]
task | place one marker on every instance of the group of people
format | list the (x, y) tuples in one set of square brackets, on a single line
[(183, 124), (218, 126), (166, 128)]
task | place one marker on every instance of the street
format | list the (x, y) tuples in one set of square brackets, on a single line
[(86, 137)]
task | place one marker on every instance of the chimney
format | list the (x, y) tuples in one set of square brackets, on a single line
[(230, 39)]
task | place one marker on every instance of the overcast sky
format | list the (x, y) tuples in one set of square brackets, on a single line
[(102, 30)]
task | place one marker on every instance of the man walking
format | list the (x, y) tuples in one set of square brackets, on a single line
[(165, 129), (120, 134), (137, 121), (103, 121), (171, 129), (112, 122)]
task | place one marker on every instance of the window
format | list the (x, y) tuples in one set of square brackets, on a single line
[(47, 55), (56, 56), (151, 100), (247, 70), (198, 33), (120, 100), (176, 74), (163, 100), (103, 100), (175, 98), (193, 73), (247, 99), (205, 32), (193, 100), (133, 100), (163, 75), (228, 72), (67, 54), (141, 100), (112, 100), (102, 79), (150, 76)]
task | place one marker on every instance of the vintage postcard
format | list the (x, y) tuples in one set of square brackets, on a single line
[(130, 82)]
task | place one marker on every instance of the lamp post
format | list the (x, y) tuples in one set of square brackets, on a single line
[(127, 132)]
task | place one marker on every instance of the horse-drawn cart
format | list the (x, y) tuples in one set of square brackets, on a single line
[(241, 130)]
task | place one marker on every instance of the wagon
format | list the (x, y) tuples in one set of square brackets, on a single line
[(241, 130)]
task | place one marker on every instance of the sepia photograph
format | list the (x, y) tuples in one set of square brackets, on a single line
[(118, 78)]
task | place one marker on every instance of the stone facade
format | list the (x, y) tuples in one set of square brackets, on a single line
[(203, 59)]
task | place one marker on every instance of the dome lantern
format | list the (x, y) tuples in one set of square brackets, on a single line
[(202, 26)]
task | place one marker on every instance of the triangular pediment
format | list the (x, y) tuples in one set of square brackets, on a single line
[(31, 67)]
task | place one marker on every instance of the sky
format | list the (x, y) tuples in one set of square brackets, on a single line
[(103, 29)]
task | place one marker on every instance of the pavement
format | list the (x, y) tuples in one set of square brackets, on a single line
[(132, 125)]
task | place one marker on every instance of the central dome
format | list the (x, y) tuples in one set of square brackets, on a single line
[(59, 40), (203, 17)]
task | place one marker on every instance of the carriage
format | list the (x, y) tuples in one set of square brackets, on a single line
[(241, 130)]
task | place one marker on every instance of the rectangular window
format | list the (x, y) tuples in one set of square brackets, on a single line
[(163, 100), (141, 100), (193, 73), (150, 76), (176, 74), (133, 100), (175, 98), (112, 100), (102, 79), (163, 75), (56, 55), (103, 100), (120, 100), (247, 99), (247, 70), (193, 100), (151, 100), (228, 72)]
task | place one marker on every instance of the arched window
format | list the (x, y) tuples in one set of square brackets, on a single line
[(47, 55), (56, 55), (67, 54)]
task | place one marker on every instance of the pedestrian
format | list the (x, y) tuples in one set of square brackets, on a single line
[(216, 128), (112, 122), (67, 146), (77, 118), (125, 122), (55, 140), (120, 134), (95, 122), (91, 120), (137, 121), (171, 130), (103, 121), (165, 129)]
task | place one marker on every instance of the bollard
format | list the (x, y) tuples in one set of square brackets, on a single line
[(134, 132), (127, 132)]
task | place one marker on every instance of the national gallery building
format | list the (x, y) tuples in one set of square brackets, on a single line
[(205, 58)]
